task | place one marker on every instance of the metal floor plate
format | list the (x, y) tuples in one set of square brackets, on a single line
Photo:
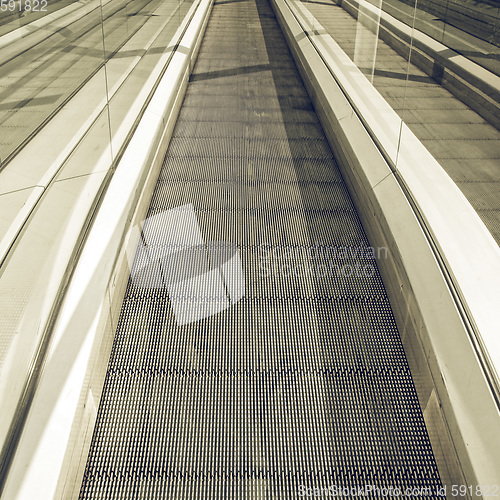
[(300, 383)]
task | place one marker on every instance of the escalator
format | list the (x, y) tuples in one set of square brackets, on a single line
[(261, 358)]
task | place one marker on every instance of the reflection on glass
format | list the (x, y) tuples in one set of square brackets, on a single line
[(74, 79), (45, 57), (137, 38), (364, 60), (471, 28), (367, 32), (402, 47)]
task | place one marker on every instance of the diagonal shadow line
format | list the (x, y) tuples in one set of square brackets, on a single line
[(480, 55), (229, 1), (120, 54), (210, 75), (326, 2), (399, 76), (35, 101)]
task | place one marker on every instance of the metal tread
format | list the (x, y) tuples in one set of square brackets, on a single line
[(303, 382)]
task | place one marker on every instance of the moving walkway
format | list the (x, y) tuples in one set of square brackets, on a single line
[(256, 353), (302, 382)]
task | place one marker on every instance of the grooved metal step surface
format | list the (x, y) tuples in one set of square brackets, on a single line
[(256, 354)]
